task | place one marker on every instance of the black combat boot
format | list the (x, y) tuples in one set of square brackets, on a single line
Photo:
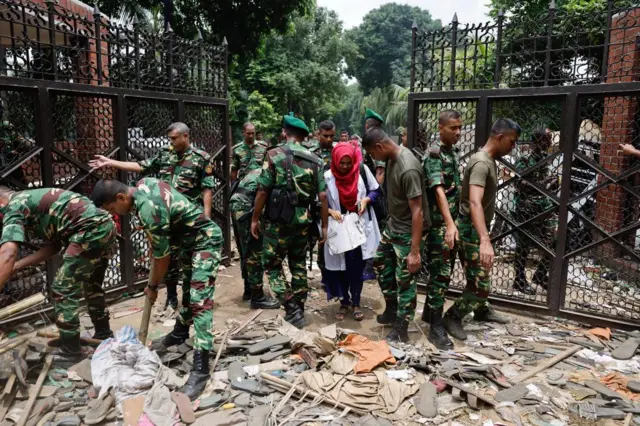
[(178, 336), (400, 331), (198, 377), (69, 349), (390, 313), (487, 314), (261, 301), (300, 304), (452, 322), (437, 333), (172, 296), (247, 291), (426, 313), (102, 329), (294, 315)]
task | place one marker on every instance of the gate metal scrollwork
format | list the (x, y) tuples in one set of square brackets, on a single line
[(576, 74), (74, 84)]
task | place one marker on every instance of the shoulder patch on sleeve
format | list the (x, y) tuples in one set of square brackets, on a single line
[(434, 151)]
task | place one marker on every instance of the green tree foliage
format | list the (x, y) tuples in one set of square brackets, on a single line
[(261, 113), (242, 22), (299, 71), (384, 44), (577, 43)]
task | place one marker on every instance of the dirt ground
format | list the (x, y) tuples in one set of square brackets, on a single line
[(228, 304)]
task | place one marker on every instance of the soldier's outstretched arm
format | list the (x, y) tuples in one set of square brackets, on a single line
[(101, 161), (45, 253), (8, 255)]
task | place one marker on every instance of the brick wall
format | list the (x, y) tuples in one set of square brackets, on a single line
[(618, 126)]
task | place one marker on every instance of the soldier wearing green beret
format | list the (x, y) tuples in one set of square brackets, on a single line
[(291, 180)]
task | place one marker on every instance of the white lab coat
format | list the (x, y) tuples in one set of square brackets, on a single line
[(335, 262)]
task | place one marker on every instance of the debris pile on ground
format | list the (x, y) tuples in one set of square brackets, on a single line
[(268, 372)]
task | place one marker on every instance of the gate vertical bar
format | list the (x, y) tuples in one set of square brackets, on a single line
[(569, 135), (498, 72), (181, 114), (607, 40), (454, 46), (51, 5), (44, 137), (547, 60), (483, 117), (120, 125), (226, 232), (169, 35), (411, 122), (97, 21), (414, 35)]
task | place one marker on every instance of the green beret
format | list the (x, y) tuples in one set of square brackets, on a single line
[(372, 114), (290, 121)]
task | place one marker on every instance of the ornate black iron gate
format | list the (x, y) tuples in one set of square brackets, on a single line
[(75, 85), (529, 72)]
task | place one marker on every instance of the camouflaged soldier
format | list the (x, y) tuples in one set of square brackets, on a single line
[(441, 170), (324, 148), (398, 259), (373, 119), (530, 203), (63, 220), (241, 206), (290, 181), (477, 209), (166, 215), (185, 168), (324, 145), (247, 155)]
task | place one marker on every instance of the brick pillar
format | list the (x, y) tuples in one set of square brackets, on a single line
[(618, 125)]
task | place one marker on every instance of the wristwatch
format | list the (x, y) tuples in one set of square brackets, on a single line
[(153, 287)]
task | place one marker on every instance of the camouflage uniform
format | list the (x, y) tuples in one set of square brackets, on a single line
[(166, 214), (324, 154), (190, 174), (396, 283), (441, 168), (530, 203), (311, 144), (290, 239), (67, 220), (246, 158), (241, 206)]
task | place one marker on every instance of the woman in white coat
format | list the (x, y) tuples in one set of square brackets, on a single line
[(347, 192)]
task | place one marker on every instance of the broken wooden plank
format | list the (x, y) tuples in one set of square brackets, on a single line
[(22, 305), (280, 385), (220, 349), (14, 343), (546, 364), (246, 323), (470, 392), (32, 398)]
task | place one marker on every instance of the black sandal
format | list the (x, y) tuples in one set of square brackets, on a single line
[(342, 312), (357, 315)]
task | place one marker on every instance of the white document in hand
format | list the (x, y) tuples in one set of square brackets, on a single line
[(346, 235)]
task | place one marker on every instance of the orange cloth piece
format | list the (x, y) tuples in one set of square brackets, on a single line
[(618, 382), (605, 333), (370, 354)]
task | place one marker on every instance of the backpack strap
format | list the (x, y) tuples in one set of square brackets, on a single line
[(363, 174)]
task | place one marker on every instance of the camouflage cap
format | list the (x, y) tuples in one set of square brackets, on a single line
[(290, 121), (372, 114)]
